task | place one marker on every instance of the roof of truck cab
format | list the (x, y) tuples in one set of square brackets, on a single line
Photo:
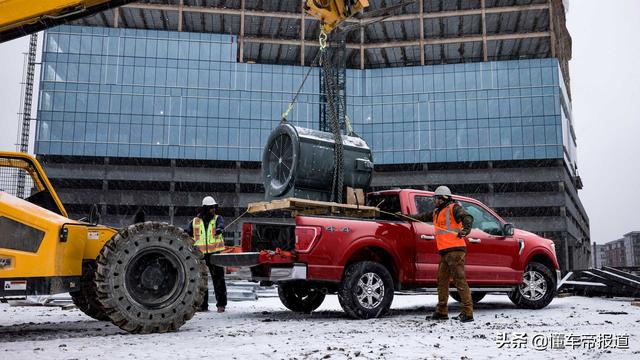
[(430, 193), (422, 192)]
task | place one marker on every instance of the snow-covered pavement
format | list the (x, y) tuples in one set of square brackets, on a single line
[(264, 329)]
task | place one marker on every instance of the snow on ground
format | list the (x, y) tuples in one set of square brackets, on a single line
[(264, 329)]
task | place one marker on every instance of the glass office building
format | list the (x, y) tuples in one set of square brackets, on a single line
[(151, 106), (156, 94)]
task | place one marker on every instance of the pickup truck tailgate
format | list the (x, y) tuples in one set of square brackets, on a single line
[(253, 258)]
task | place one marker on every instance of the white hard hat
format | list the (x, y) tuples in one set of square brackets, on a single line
[(209, 201), (442, 191)]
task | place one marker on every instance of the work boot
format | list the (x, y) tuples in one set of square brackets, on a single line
[(202, 309), (464, 317), (220, 309), (437, 316)]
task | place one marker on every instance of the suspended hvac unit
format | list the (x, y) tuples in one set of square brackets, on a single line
[(299, 162)]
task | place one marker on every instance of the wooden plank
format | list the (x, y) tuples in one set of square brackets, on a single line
[(313, 207)]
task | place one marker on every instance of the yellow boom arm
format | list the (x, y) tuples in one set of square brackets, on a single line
[(23, 17)]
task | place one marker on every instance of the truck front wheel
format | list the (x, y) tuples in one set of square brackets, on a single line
[(537, 289), (299, 296), (366, 290)]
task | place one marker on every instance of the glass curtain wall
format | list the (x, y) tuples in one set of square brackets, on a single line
[(146, 93)]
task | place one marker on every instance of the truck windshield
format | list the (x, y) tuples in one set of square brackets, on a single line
[(389, 203)]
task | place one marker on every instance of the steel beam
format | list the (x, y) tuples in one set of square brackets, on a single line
[(382, 45), (292, 15)]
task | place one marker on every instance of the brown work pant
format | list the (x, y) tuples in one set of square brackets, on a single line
[(452, 266)]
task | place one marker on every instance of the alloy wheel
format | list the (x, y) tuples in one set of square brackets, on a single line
[(370, 290)]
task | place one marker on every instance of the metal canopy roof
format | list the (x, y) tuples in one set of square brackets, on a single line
[(448, 31)]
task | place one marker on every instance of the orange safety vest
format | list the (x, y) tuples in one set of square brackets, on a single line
[(207, 241), (447, 229)]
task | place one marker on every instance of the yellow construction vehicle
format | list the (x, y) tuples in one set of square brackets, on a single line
[(146, 278)]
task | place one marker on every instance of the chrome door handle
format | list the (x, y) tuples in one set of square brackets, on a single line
[(474, 240), (427, 237)]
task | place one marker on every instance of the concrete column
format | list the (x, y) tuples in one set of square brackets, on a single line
[(361, 46), (116, 17), (484, 31), (302, 30), (422, 61), (172, 190), (552, 29), (241, 42), (105, 188), (180, 9)]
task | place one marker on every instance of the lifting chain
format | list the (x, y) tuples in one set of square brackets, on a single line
[(324, 60), (323, 46), (338, 171)]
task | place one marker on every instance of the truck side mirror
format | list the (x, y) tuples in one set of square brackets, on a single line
[(508, 229)]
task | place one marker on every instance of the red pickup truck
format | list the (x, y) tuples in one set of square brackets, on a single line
[(364, 261)]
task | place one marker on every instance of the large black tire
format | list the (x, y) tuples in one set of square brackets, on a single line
[(86, 298), (476, 296), (369, 298), (299, 296), (526, 298), (150, 278)]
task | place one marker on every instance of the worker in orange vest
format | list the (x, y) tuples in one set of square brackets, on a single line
[(206, 229), (452, 223)]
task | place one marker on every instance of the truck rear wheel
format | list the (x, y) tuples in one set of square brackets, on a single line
[(86, 298), (476, 296), (150, 278), (366, 290), (538, 287), (299, 296)]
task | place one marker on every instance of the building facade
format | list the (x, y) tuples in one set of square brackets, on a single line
[(623, 252), (153, 105)]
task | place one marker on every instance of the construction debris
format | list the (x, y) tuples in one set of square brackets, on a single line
[(606, 281)]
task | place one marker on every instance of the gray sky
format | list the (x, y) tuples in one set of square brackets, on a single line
[(11, 64), (605, 81)]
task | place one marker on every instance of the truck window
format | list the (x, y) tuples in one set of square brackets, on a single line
[(483, 220), (387, 203), (424, 204)]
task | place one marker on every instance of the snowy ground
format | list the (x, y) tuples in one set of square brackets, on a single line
[(264, 329)]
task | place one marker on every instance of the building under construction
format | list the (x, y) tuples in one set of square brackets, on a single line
[(149, 107)]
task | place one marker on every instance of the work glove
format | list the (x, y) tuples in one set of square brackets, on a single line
[(462, 234)]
